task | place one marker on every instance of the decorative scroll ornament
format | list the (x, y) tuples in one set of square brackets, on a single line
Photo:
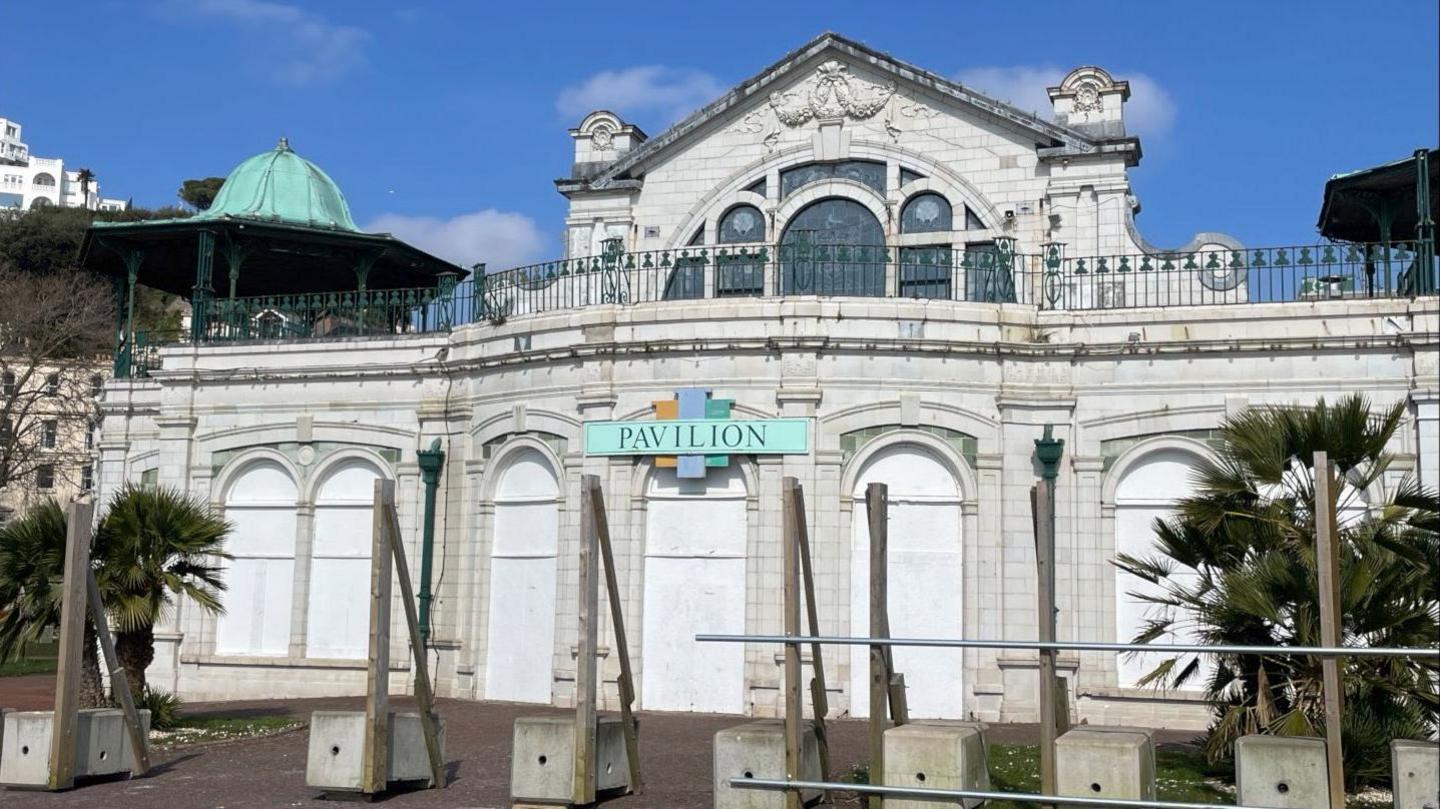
[(751, 124), (602, 137), (914, 109), (833, 93), (1087, 97)]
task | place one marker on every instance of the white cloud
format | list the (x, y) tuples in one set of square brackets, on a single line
[(501, 239), (667, 93), (1150, 111), (300, 47)]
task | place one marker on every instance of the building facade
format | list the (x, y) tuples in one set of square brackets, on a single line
[(29, 182), (49, 423), (924, 277)]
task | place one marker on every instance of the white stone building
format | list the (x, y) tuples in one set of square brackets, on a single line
[(29, 182), (925, 276)]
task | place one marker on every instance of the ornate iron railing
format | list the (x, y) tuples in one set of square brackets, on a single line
[(1225, 276), (308, 316), (992, 273)]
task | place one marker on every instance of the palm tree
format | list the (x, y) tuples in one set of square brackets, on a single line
[(85, 176), (32, 564), (151, 546), (157, 543), (1237, 566)]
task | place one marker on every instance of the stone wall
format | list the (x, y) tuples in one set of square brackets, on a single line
[(972, 384)]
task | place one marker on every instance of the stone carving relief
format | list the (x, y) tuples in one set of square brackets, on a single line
[(832, 93), (751, 124), (914, 109), (602, 137), (1087, 97)]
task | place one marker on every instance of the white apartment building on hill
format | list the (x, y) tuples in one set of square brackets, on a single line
[(31, 182)]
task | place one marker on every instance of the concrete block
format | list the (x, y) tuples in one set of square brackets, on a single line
[(1283, 772), (542, 762), (102, 745), (1105, 762), (337, 741), (1415, 769), (757, 750), (938, 755)]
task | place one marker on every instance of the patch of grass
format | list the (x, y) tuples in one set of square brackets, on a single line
[(21, 668), (1181, 775), (203, 729)]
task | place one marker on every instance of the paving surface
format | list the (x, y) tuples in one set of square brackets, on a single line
[(270, 772)]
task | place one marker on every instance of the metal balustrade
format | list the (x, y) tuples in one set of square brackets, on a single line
[(988, 274)]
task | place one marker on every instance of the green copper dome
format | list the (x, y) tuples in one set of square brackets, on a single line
[(281, 186)]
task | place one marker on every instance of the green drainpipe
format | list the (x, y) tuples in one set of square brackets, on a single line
[(431, 461)]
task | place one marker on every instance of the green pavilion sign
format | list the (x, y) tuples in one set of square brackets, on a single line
[(693, 432)]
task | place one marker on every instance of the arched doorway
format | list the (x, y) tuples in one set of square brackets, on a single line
[(695, 538), (834, 246), (520, 636), (1147, 491), (339, 610), (925, 578), (260, 578)]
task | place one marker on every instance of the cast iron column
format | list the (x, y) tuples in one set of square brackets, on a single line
[(431, 461)]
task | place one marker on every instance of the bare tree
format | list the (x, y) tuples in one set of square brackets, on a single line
[(55, 331)]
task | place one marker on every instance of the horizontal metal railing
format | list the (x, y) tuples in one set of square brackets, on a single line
[(317, 315), (1082, 646), (938, 794), (303, 316), (989, 273)]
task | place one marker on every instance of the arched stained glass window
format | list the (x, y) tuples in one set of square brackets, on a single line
[(972, 222), (686, 280), (740, 272), (926, 213), (833, 247), (865, 172), (743, 223)]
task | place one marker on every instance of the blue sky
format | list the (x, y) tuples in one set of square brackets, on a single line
[(447, 122)]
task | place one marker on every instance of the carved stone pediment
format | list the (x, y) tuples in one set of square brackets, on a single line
[(832, 93)]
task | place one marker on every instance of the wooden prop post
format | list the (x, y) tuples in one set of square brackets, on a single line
[(375, 758), (877, 513), (72, 646), (119, 683), (819, 702), (1042, 502), (794, 708), (601, 523), (80, 589), (388, 563), (1327, 562), (424, 697), (887, 688), (583, 780)]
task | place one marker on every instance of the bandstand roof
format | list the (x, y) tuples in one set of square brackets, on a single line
[(286, 224), (1357, 203)]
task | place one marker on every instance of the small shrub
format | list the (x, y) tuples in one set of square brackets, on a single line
[(164, 709)]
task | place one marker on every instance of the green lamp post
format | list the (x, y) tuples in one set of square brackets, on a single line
[(431, 461)]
